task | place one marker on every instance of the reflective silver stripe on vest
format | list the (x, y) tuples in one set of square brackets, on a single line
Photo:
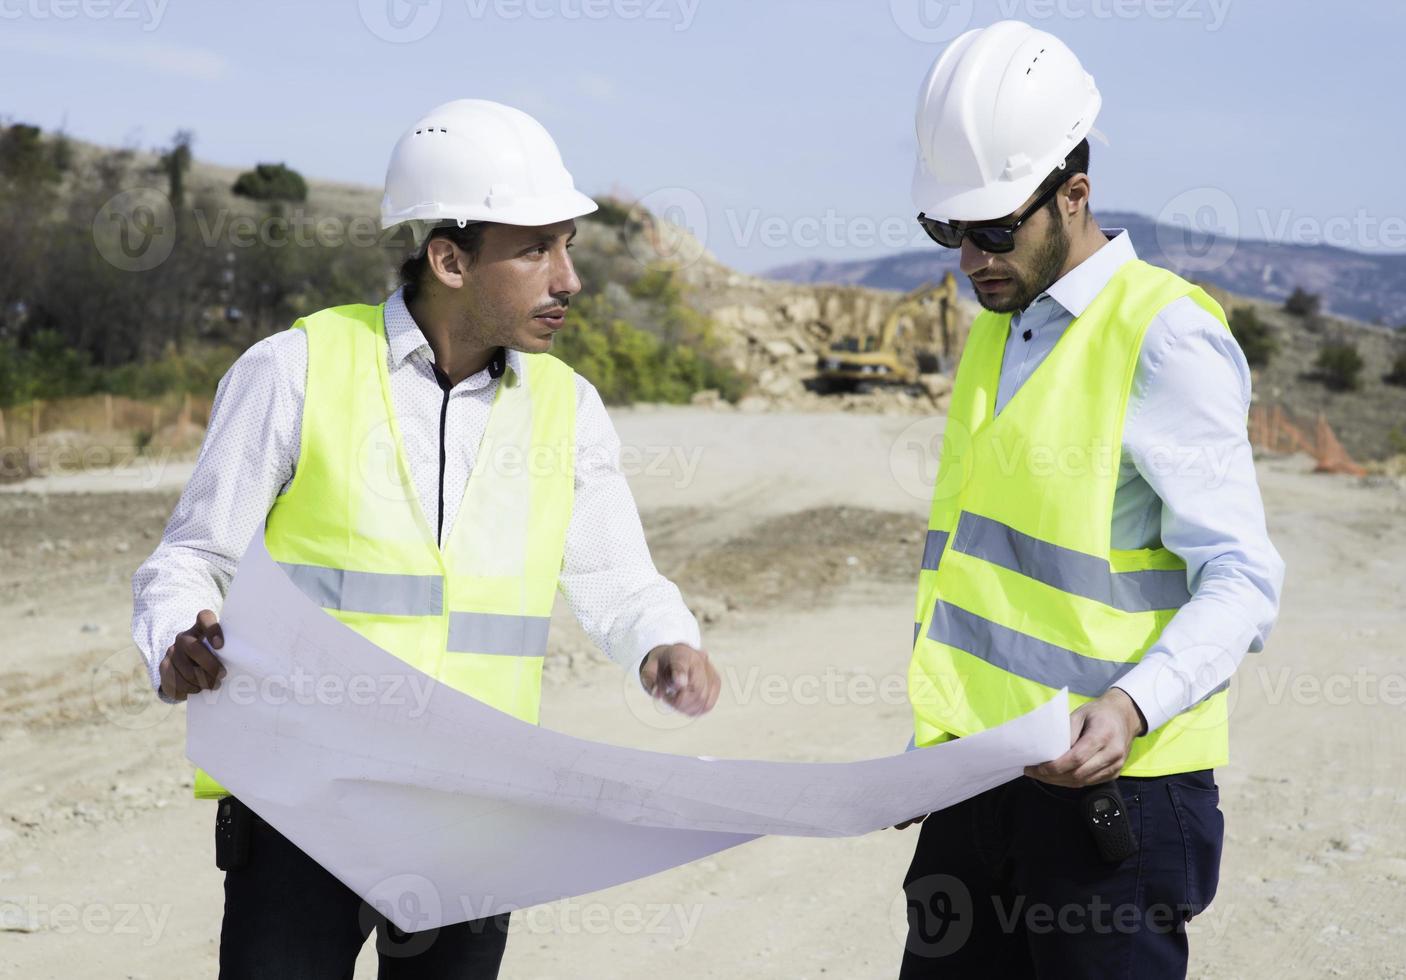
[(1068, 570), (1028, 657), (932, 549), (378, 593), (508, 636), (1021, 654)]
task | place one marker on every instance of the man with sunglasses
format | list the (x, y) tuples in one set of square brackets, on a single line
[(1096, 525)]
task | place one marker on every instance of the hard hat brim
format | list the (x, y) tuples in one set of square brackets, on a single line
[(953, 203), (530, 212)]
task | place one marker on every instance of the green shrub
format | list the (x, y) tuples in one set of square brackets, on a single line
[(611, 212), (49, 369), (1397, 375), (657, 283), (14, 364), (628, 365), (1302, 303), (1253, 336), (197, 372), (44, 368), (26, 159), (271, 182), (1339, 365)]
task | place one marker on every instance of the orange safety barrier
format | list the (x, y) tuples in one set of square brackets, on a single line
[(1274, 430)]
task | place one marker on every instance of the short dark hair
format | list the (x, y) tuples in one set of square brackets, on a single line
[(1077, 162), (469, 239)]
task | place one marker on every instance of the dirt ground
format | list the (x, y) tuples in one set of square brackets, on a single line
[(795, 538)]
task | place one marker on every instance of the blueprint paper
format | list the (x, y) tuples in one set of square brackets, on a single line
[(437, 808)]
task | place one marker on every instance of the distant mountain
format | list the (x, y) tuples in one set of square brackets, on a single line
[(1357, 285)]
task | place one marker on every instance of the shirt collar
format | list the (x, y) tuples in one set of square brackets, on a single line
[(404, 337), (1076, 289)]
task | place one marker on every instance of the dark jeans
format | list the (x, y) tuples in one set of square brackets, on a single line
[(287, 918), (1010, 883)]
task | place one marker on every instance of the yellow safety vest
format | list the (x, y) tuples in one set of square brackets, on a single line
[(350, 532), (1021, 592)]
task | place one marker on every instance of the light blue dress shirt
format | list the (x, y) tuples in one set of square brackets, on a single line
[(1186, 480)]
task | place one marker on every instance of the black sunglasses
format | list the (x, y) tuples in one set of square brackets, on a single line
[(993, 236)]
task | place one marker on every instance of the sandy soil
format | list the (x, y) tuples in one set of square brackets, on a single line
[(795, 538)]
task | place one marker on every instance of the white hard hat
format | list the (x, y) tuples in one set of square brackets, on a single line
[(474, 160), (999, 110)]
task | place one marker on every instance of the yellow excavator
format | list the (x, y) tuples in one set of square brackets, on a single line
[(919, 336)]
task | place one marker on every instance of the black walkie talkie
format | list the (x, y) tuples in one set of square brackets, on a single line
[(234, 824), (1107, 817)]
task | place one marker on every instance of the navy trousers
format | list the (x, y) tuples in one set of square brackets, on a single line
[(1010, 884), (288, 918)]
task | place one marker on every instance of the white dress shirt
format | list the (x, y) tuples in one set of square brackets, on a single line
[(251, 449), (1186, 480)]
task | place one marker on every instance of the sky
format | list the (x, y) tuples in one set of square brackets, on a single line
[(778, 130)]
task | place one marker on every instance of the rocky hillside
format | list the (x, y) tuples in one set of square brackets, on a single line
[(1369, 421), (773, 332), (1361, 286)]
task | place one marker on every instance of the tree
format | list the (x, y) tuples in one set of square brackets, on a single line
[(271, 182), (29, 186), (1302, 303), (25, 159), (61, 152), (174, 163)]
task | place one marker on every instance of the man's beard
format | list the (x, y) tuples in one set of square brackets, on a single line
[(1045, 265)]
